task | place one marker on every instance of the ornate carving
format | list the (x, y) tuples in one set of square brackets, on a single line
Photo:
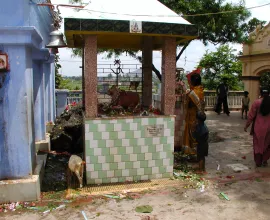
[(260, 32), (255, 33)]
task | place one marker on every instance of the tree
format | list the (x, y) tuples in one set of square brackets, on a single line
[(110, 76), (216, 27), (58, 77), (221, 64), (265, 80)]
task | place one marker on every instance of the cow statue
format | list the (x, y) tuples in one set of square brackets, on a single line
[(123, 98)]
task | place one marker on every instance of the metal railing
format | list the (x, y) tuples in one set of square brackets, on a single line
[(234, 98)]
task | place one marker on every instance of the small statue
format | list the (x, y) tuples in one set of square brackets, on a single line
[(254, 33)]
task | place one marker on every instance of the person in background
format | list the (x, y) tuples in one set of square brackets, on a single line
[(259, 115), (222, 98), (201, 135), (245, 104), (196, 133)]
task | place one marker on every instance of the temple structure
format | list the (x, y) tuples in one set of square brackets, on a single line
[(256, 59), (136, 147)]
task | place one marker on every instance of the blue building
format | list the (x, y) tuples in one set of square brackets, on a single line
[(26, 95)]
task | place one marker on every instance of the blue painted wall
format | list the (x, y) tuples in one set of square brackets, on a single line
[(17, 133), (24, 91)]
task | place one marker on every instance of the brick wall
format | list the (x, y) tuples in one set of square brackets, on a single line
[(118, 150)]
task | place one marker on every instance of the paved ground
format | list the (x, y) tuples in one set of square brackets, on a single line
[(248, 191)]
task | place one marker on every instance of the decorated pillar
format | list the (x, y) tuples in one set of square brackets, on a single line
[(168, 76), (147, 54), (90, 76)]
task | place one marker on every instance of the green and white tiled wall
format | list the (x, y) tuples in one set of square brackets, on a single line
[(117, 150)]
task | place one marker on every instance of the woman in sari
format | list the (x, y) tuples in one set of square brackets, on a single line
[(259, 115), (195, 129)]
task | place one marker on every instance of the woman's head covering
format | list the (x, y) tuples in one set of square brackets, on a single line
[(197, 71)]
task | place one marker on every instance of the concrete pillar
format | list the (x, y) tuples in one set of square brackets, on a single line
[(52, 79), (47, 72), (90, 76), (168, 76), (17, 144), (39, 101), (147, 54), (48, 68), (61, 100)]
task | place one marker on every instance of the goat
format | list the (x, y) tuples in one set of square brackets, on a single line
[(75, 165)]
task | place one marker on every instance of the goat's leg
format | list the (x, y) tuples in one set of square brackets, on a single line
[(79, 177)]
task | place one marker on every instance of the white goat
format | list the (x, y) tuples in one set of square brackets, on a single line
[(75, 165)]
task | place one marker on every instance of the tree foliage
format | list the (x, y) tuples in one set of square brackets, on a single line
[(213, 28), (58, 77), (221, 64), (265, 80)]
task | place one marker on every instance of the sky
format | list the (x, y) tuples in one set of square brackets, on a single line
[(189, 59)]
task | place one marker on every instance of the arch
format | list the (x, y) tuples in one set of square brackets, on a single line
[(261, 69)]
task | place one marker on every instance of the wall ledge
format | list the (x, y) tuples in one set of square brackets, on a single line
[(21, 36)]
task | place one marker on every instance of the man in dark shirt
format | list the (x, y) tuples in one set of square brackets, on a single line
[(222, 94)]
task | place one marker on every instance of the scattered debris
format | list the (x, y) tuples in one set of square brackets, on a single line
[(224, 196), (144, 209), (112, 196), (214, 137), (202, 188), (229, 177), (52, 207), (84, 215), (237, 167), (259, 180), (14, 206)]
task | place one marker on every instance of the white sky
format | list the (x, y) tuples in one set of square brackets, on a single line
[(193, 53)]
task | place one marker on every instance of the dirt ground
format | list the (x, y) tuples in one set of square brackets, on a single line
[(248, 191)]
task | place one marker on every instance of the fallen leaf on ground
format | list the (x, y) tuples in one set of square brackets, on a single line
[(259, 180), (144, 209)]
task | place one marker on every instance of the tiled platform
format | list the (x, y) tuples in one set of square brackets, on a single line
[(119, 150)]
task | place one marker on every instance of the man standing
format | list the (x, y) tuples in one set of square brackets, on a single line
[(222, 94)]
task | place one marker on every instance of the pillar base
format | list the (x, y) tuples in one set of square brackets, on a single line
[(44, 145), (24, 189)]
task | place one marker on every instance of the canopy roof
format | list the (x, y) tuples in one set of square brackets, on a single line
[(123, 23)]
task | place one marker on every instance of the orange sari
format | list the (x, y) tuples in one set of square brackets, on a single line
[(194, 103)]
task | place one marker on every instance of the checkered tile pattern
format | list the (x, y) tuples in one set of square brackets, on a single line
[(117, 150), (179, 126)]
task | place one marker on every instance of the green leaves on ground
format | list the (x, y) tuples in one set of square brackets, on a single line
[(144, 209)]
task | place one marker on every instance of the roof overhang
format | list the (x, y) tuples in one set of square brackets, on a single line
[(111, 21)]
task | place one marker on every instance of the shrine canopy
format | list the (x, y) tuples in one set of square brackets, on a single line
[(124, 23)]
